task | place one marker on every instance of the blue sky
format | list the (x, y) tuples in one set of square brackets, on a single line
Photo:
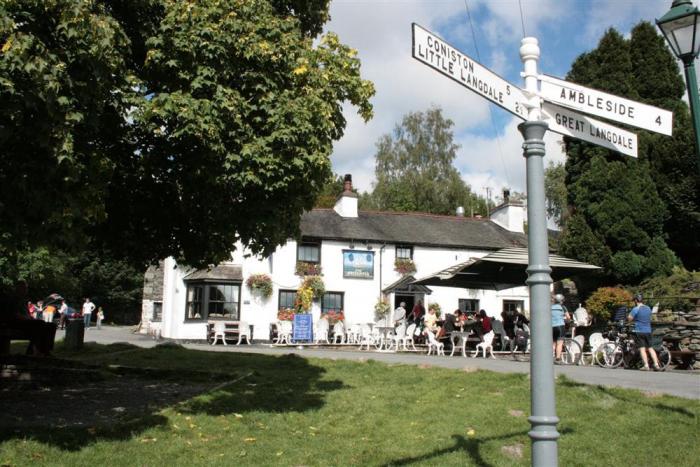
[(490, 153)]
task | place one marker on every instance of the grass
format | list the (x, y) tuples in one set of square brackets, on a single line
[(266, 410)]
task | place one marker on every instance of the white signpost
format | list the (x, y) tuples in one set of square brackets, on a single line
[(439, 55), (570, 123), (606, 105)]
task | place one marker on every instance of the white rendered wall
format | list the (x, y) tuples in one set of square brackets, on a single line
[(510, 217)]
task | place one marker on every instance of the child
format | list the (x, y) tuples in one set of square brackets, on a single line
[(100, 317)]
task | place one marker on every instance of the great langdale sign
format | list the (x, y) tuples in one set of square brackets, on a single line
[(439, 55), (570, 123), (602, 104)]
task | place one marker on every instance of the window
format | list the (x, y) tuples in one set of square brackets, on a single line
[(157, 311), (404, 252), (332, 301), (309, 252), (513, 305), (468, 305), (213, 301), (287, 299)]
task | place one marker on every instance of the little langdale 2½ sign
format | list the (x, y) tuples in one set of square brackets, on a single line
[(564, 103)]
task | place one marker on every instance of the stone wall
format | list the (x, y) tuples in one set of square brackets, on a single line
[(152, 292), (686, 329)]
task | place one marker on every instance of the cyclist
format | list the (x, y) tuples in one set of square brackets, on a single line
[(641, 315), (559, 315)]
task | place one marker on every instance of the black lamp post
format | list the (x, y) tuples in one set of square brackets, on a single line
[(681, 28)]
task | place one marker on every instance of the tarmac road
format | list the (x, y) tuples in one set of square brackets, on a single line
[(680, 383)]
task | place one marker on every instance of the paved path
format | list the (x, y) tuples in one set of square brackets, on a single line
[(678, 383)]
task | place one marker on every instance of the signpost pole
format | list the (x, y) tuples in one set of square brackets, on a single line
[(543, 417), (692, 84)]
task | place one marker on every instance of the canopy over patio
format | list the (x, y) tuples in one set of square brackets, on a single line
[(503, 269)]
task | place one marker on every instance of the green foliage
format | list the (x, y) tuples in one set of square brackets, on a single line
[(620, 217), (315, 283), (603, 301), (260, 283), (382, 307), (164, 127), (555, 191), (414, 170), (679, 291)]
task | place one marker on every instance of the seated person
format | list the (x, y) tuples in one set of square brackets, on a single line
[(449, 327), (483, 325), (430, 322)]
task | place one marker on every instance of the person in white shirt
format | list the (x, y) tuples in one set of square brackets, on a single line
[(88, 306), (400, 314)]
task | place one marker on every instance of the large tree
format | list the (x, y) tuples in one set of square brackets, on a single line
[(619, 217), (164, 127), (414, 168)]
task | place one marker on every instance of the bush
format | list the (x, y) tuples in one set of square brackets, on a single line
[(604, 300), (678, 291)]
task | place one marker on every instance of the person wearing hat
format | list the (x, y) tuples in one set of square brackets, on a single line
[(559, 315), (641, 316)]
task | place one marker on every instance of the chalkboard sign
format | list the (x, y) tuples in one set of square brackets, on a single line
[(303, 328)]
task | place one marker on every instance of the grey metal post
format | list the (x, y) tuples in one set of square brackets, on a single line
[(543, 418)]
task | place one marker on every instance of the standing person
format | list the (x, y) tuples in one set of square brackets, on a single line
[(31, 310), (88, 306), (48, 313), (63, 314), (641, 315), (400, 314), (559, 315), (418, 312), (100, 317), (40, 310)]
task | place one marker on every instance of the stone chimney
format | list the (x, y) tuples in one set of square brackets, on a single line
[(510, 214), (346, 205)]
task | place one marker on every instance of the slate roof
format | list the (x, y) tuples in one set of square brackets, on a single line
[(411, 229), (221, 272)]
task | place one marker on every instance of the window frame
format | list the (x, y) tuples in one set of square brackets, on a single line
[(404, 247), (325, 310), (518, 303), (472, 300), (206, 301), (309, 243), (157, 317), (279, 298)]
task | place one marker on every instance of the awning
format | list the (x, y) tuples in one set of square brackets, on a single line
[(407, 286), (220, 273), (503, 269)]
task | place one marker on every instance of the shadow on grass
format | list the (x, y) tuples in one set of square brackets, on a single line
[(469, 446), (120, 402), (622, 397)]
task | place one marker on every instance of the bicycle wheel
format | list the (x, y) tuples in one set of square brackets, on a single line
[(664, 357), (612, 354), (571, 352)]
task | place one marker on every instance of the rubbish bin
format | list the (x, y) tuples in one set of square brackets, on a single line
[(75, 334)]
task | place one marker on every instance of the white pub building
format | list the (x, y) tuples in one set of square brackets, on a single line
[(357, 253)]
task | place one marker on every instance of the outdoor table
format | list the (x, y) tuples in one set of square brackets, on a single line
[(461, 337)]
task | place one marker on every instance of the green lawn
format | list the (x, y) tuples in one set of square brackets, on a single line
[(293, 411)]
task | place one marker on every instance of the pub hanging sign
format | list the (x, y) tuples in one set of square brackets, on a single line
[(358, 264)]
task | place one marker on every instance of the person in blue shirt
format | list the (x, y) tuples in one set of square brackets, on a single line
[(559, 315), (641, 315)]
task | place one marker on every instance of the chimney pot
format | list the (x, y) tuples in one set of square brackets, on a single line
[(347, 182), (506, 195)]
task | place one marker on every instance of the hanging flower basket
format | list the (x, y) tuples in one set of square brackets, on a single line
[(286, 314), (261, 284), (404, 266), (381, 308), (307, 269), (315, 283)]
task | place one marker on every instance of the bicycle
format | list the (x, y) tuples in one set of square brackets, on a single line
[(623, 350)]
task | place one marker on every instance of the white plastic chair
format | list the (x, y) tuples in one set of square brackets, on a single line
[(338, 333), (595, 341), (284, 332), (408, 338), (321, 331), (397, 338), (580, 340), (243, 331), (435, 344), (486, 344), (353, 334), (219, 332), (366, 336)]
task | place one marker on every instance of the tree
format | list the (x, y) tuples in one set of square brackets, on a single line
[(617, 216), (160, 127), (555, 192), (414, 170)]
